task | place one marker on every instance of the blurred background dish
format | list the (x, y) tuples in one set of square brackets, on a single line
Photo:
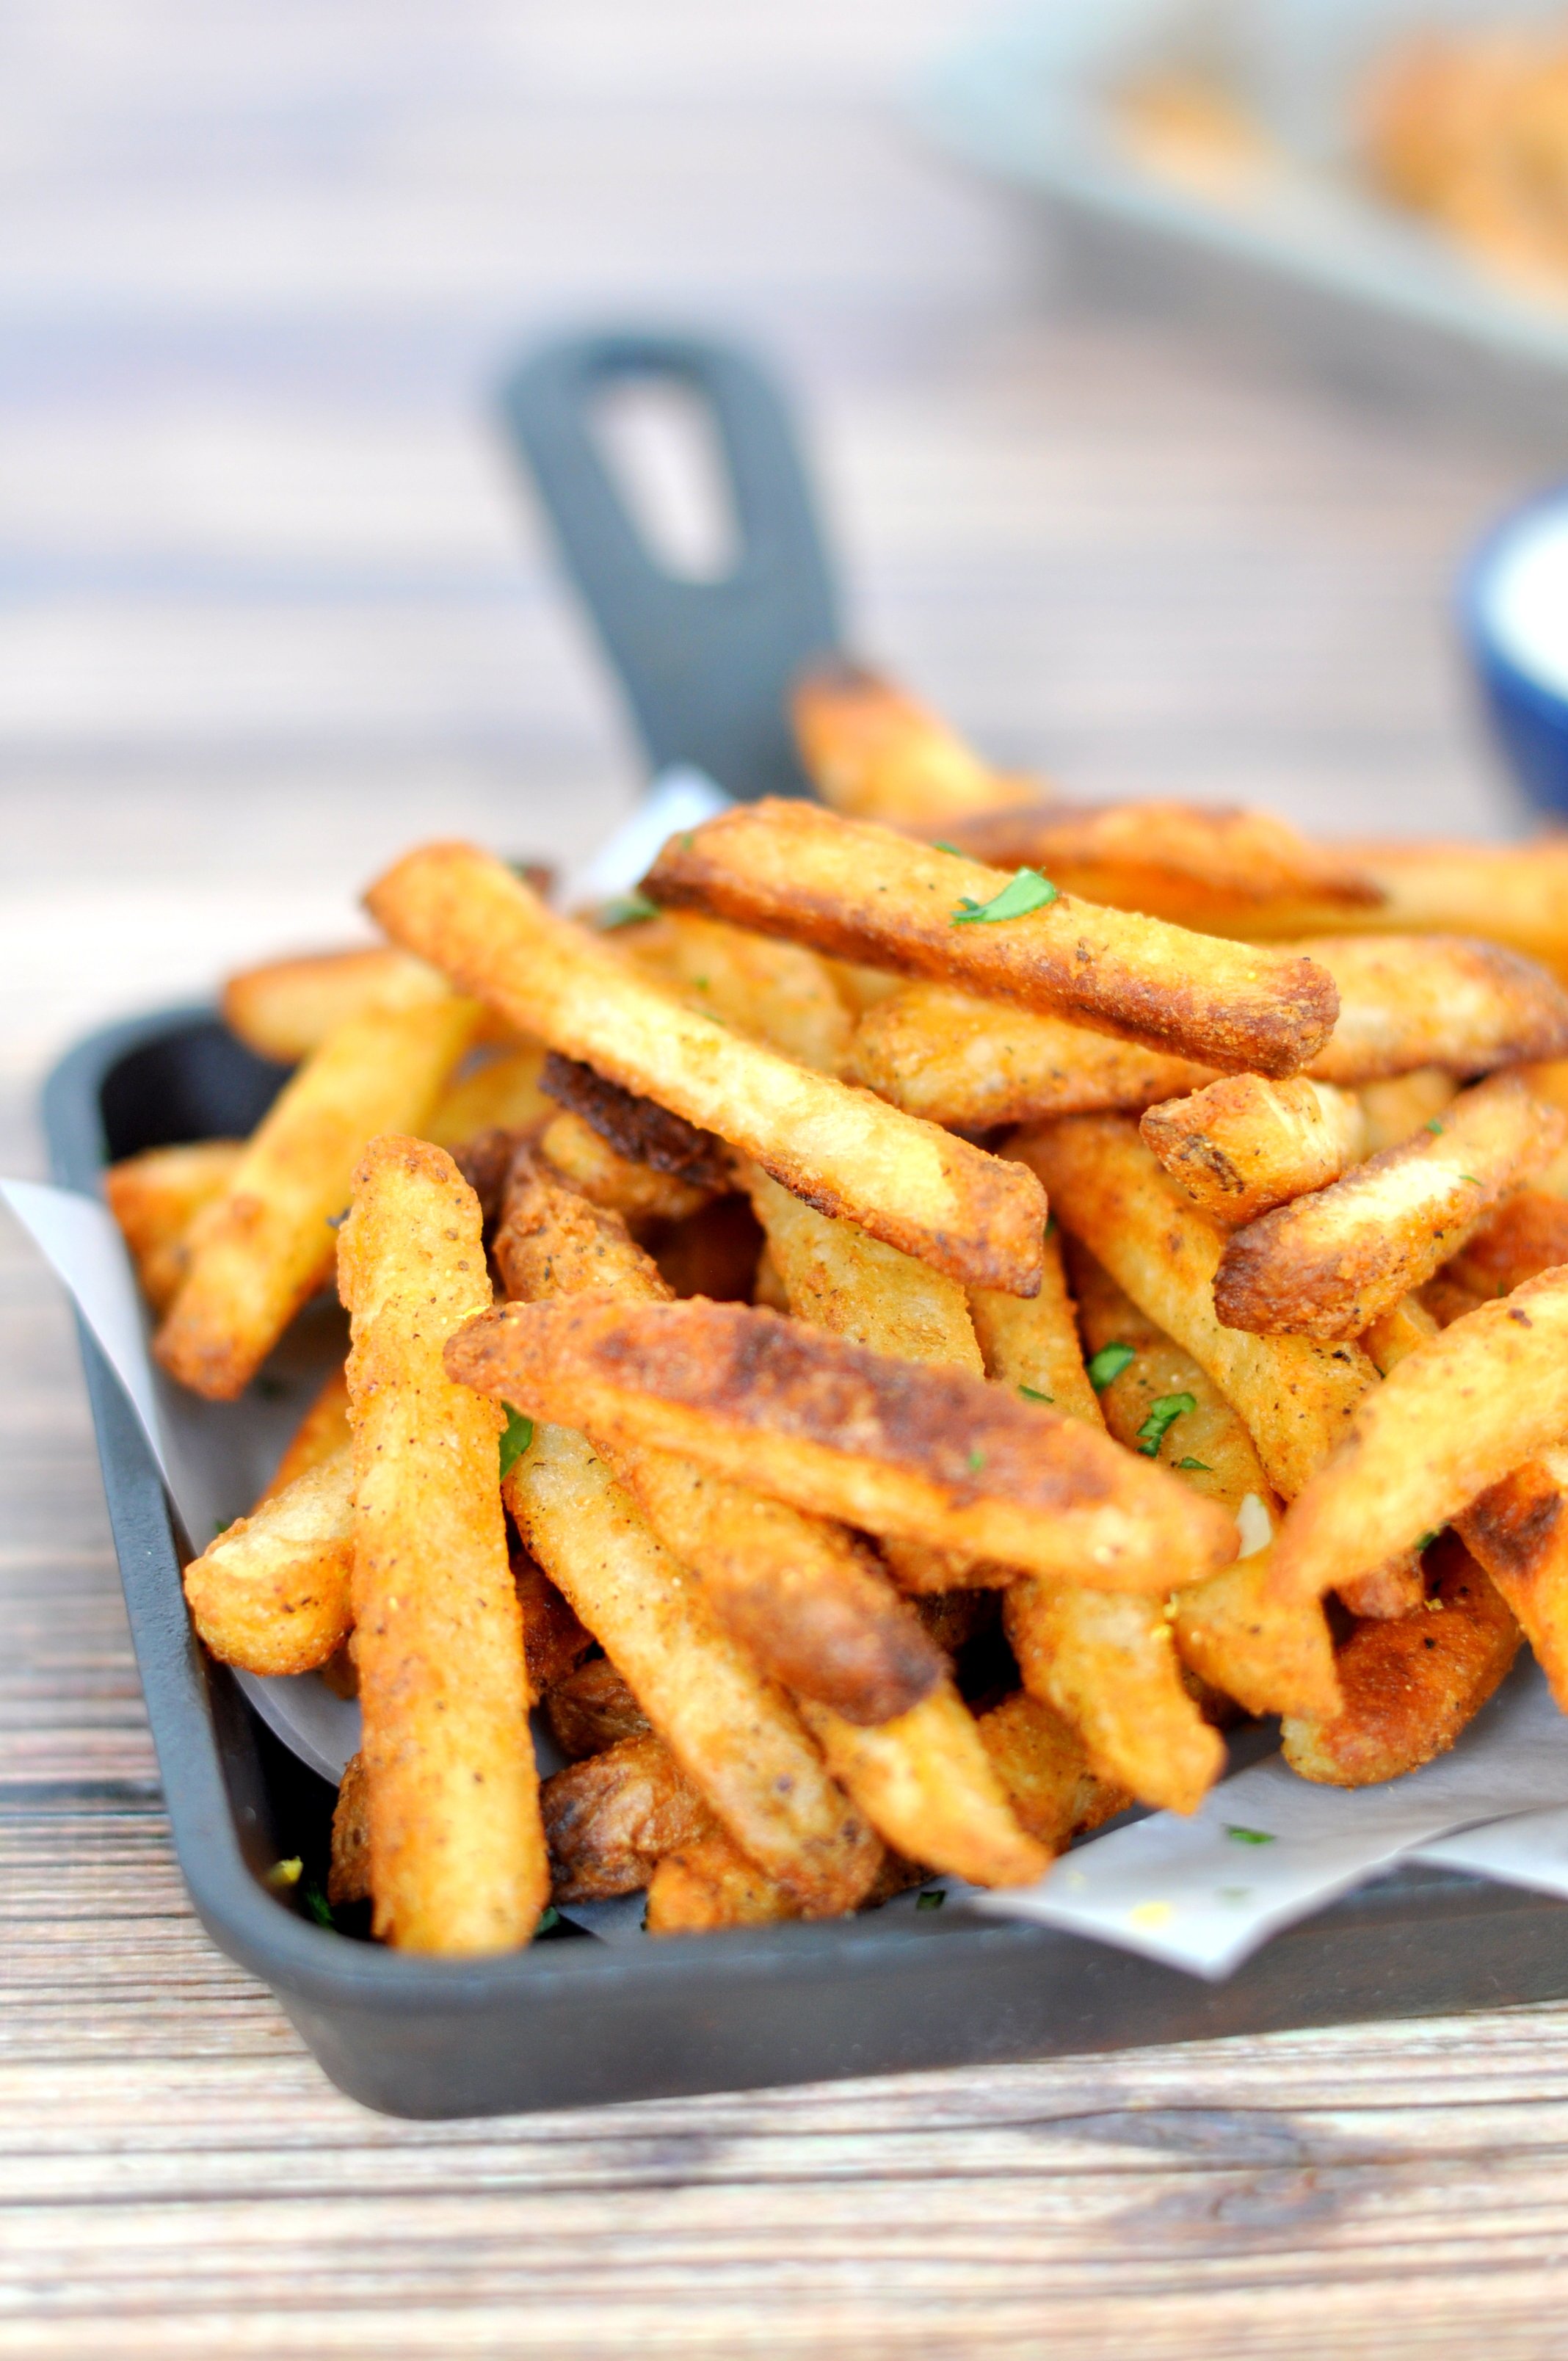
[(1514, 613)]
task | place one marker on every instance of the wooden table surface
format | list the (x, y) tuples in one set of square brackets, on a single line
[(270, 607)]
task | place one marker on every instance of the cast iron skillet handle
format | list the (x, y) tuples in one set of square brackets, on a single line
[(704, 666)]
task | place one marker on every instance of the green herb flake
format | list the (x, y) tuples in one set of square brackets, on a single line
[(1108, 1364), (940, 844), (976, 1461), (221, 1526), (1248, 1836), (283, 1874), (932, 1900), (1427, 1539), (1025, 892), (1233, 1894), (550, 1917), (515, 1439), (1163, 1415), (316, 1903), (1434, 1127), (625, 910), (1033, 1393), (1474, 1182), (1193, 1467)]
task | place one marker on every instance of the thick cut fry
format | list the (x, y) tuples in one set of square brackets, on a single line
[(503, 1094), (1395, 1589), (1518, 1534), (348, 1877), (457, 1859), (954, 1059), (930, 1790), (609, 1817), (863, 893), (1393, 1110), (271, 1593), (553, 1639), (1242, 1146), (1327, 1265), (597, 1172), (710, 1883), (287, 1009), (260, 1249), (322, 1431), (156, 1196), (1448, 1421), (876, 753), (1398, 1332), (1041, 1761), (1525, 1236), (1434, 1000), (636, 1128), (592, 1709), (1272, 1655), (1513, 894), (732, 1731), (1034, 1346), (1295, 1396), (773, 992), (906, 1182), (1410, 1686), (1110, 1666), (927, 1454)]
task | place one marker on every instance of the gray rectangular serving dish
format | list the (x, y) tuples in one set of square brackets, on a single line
[(572, 2022)]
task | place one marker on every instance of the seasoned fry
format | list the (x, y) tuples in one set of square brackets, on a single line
[(458, 1857), (876, 753), (271, 1593), (636, 1128), (908, 1183), (1410, 1686), (591, 1708), (1448, 1421), (930, 1455), (1518, 1534), (1041, 1761), (839, 1278), (553, 1639), (503, 1094), (975, 1063), (710, 1883), (264, 1247), (609, 1817), (485, 1162), (930, 1790), (1525, 1236), (773, 992), (348, 1877), (1512, 893), (155, 1197), (1034, 1346), (860, 891), (1327, 1265), (322, 1431), (1272, 1655), (1433, 1000), (732, 1731), (1109, 1665), (1392, 1111), (1398, 1332), (1242, 1146), (618, 1183), (286, 1009), (1295, 1396)]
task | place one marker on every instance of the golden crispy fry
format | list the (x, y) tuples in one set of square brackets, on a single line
[(287, 1009), (456, 1848), (732, 1731), (876, 753), (1398, 1332), (1272, 1655), (592, 1709), (553, 1639), (596, 1171), (930, 1455), (485, 1160), (714, 1252), (710, 1883), (1518, 1534), (609, 1817), (1034, 1346), (1410, 1686), (865, 893), (1041, 1761), (955, 1058), (1512, 893), (1200, 866), (773, 992), (839, 1278), (260, 1249), (1449, 1421), (503, 1094), (930, 1790), (322, 1431), (915, 1187), (348, 1877), (636, 1128), (1295, 1396), (1393, 1110), (1242, 1146), (859, 988), (1110, 1666), (1327, 1265), (1525, 1236), (1434, 1000), (271, 1593), (156, 1196)]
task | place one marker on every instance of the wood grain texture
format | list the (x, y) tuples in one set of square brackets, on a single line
[(272, 608)]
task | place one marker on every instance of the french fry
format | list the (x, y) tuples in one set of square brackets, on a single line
[(1410, 1686), (865, 893), (837, 1279), (1295, 1396), (263, 1247), (609, 1817), (1394, 1110), (271, 1593), (930, 1790), (636, 1128), (458, 1857), (156, 1196), (1433, 1000), (1242, 1146), (710, 1883), (1034, 1346), (1328, 1265), (1398, 1332), (873, 752), (714, 1252), (1448, 1421), (954, 1059), (615, 1182), (1523, 1237), (485, 1160), (322, 1431), (503, 1094), (773, 992), (732, 1731), (592, 1707), (1109, 1666), (1512, 893), (1518, 1534), (553, 1639), (348, 1877), (908, 1183), (286, 1009), (923, 1454), (1041, 1761)]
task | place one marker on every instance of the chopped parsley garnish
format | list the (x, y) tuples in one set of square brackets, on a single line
[(1434, 1127), (940, 844), (1107, 1363), (1025, 892), (1474, 1182), (221, 1526), (316, 1903), (626, 910), (977, 1460), (1163, 1415), (1033, 1393), (515, 1439), (1427, 1539), (1248, 1836), (550, 1918), (1193, 1467), (283, 1874), (931, 1901)]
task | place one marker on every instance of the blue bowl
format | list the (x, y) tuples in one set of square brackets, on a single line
[(1516, 581)]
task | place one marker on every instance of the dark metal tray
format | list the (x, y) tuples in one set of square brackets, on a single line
[(572, 2022)]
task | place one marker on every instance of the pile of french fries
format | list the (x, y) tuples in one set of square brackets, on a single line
[(890, 1337)]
